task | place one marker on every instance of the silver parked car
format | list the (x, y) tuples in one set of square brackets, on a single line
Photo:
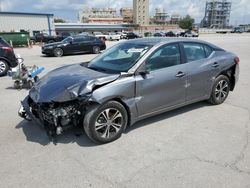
[(129, 82)]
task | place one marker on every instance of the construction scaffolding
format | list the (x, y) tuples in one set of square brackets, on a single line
[(161, 17), (217, 14)]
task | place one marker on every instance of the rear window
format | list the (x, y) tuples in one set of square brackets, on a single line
[(194, 51), (208, 50), (93, 38)]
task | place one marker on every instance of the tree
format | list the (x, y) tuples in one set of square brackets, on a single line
[(59, 20), (186, 22)]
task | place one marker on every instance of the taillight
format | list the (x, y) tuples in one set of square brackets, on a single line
[(237, 60), (7, 49)]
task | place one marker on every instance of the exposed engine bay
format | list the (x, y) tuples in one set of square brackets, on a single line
[(55, 117)]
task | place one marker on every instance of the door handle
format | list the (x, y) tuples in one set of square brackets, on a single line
[(215, 64), (180, 74)]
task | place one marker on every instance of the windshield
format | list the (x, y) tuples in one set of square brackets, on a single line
[(68, 40), (119, 58)]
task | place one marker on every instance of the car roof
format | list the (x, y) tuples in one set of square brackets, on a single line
[(164, 40)]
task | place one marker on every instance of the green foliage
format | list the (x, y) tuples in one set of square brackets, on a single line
[(59, 20), (186, 22)]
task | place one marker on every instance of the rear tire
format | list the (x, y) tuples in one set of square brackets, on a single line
[(4, 67), (58, 52), (220, 90), (105, 123), (96, 50)]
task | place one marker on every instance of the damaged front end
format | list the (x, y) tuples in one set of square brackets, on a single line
[(59, 100), (55, 117)]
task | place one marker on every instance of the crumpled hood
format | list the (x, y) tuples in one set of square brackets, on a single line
[(67, 83)]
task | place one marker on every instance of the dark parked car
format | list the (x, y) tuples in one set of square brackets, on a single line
[(44, 37), (132, 35), (159, 35), (170, 34), (74, 45), (129, 82), (237, 30), (7, 57)]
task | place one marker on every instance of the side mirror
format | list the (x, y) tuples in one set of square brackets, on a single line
[(143, 70)]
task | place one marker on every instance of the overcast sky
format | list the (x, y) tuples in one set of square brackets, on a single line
[(68, 9)]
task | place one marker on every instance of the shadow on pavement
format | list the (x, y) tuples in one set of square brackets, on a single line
[(66, 55), (166, 115), (35, 133)]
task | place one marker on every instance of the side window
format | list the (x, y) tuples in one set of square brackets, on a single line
[(194, 51), (165, 56), (79, 39), (208, 50)]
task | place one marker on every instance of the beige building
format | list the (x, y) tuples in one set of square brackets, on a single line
[(127, 15), (141, 12), (100, 15)]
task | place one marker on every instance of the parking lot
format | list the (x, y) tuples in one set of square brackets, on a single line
[(196, 146)]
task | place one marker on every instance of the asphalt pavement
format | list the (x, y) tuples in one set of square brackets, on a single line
[(195, 146)]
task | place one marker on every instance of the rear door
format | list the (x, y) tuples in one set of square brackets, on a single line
[(164, 85), (87, 43), (74, 45), (199, 70)]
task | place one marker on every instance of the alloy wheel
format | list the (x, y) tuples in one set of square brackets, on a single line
[(108, 123), (58, 52), (221, 90), (2, 67), (96, 50)]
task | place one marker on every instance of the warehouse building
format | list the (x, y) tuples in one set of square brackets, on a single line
[(89, 27), (31, 22)]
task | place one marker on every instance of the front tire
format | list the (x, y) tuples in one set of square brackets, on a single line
[(220, 90), (4, 67), (105, 123), (58, 52)]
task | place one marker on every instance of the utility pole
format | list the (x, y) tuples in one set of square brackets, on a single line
[(0, 5)]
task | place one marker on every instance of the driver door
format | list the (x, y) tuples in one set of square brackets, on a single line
[(164, 85)]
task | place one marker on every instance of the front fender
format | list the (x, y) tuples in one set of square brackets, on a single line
[(122, 89)]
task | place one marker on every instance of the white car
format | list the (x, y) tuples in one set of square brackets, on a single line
[(122, 35), (100, 35), (191, 34), (113, 36)]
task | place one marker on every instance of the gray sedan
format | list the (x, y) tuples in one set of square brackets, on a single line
[(131, 81)]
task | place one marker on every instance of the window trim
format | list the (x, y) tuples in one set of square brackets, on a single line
[(163, 46), (199, 43), (212, 50)]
